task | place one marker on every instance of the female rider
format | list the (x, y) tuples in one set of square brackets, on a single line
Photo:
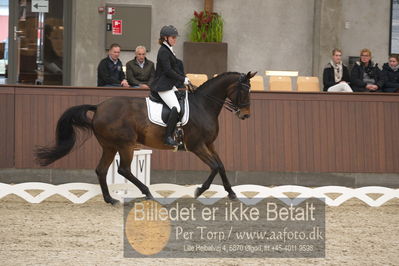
[(168, 75)]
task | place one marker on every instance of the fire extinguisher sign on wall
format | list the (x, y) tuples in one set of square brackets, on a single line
[(116, 27)]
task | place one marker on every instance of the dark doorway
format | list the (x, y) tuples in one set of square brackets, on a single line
[(37, 42)]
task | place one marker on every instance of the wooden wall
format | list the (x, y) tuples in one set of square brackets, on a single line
[(36, 114), (7, 127), (307, 132), (287, 132)]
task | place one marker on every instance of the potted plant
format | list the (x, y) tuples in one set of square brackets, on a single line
[(206, 27), (205, 53)]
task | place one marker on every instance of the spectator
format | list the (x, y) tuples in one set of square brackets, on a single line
[(336, 74), (109, 71), (366, 76), (390, 74), (140, 71)]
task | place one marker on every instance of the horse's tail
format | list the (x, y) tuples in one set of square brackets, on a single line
[(72, 119)]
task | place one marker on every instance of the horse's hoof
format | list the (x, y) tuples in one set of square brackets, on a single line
[(149, 197), (112, 201), (232, 196), (197, 192)]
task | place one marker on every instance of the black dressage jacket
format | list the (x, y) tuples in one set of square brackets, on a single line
[(169, 71)]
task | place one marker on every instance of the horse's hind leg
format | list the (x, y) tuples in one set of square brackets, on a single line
[(101, 171), (126, 155)]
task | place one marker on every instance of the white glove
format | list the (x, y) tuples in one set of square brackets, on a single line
[(186, 81)]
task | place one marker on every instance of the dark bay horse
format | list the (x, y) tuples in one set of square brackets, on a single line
[(120, 123)]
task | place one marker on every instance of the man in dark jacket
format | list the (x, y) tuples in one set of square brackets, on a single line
[(109, 71), (140, 71), (336, 74), (390, 74), (365, 75)]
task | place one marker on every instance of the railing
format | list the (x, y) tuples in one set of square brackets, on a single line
[(249, 194)]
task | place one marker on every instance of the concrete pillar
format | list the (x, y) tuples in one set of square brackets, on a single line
[(328, 25)]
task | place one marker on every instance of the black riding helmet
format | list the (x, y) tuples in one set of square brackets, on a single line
[(168, 30)]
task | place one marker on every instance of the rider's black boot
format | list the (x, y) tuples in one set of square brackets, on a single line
[(170, 128)]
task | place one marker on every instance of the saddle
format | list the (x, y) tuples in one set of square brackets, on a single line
[(158, 113), (181, 97)]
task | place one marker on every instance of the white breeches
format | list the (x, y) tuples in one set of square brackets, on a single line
[(340, 87), (169, 97)]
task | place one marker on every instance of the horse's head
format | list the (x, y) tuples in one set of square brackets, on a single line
[(239, 96)]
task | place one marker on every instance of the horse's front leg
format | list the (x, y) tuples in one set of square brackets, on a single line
[(222, 172), (225, 180), (205, 186), (208, 157)]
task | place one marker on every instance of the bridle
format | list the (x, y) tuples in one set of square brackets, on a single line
[(237, 104)]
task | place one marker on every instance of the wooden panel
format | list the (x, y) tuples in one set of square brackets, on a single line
[(287, 132), (309, 133), (37, 113), (6, 127)]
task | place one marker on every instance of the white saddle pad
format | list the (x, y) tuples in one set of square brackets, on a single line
[(155, 112)]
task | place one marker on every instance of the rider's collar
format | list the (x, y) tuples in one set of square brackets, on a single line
[(170, 47)]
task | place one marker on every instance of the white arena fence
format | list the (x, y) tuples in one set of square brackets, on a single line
[(121, 188), (121, 191)]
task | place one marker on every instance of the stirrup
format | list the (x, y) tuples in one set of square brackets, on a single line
[(170, 141)]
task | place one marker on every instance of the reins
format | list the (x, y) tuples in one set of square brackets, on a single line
[(227, 103)]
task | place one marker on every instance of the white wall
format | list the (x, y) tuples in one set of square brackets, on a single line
[(261, 34), (89, 34), (369, 28), (268, 34)]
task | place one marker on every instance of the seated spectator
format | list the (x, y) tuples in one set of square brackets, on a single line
[(390, 74), (366, 76), (140, 71), (336, 74), (109, 71)]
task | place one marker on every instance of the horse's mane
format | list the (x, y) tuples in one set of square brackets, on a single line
[(213, 80)]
